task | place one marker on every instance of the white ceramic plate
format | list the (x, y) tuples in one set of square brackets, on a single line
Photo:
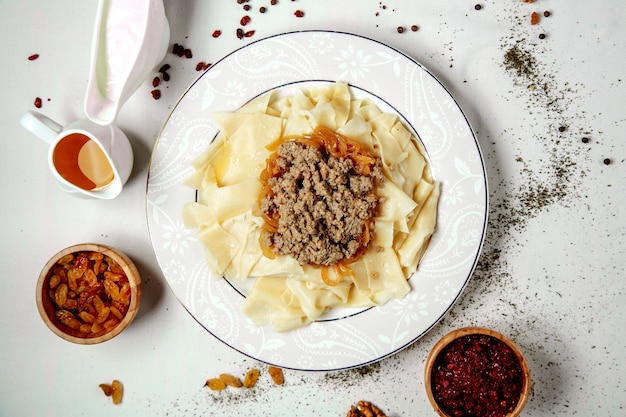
[(344, 339)]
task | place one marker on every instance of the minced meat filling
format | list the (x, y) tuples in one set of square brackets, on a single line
[(322, 205)]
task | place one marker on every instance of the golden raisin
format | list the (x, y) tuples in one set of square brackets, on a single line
[(251, 377), (215, 384), (230, 380), (276, 374)]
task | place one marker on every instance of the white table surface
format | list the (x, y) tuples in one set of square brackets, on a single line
[(551, 275)]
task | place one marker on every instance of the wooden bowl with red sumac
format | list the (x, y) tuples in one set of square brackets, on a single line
[(478, 372), (88, 293)]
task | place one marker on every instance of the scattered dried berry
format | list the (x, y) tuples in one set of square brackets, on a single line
[(240, 33), (33, 57), (187, 53), (231, 381), (400, 29), (276, 374), (156, 81), (245, 20), (156, 94), (246, 7), (546, 14), (166, 76), (115, 390), (414, 28), (262, 9), (215, 384), (249, 34), (299, 13), (251, 377), (38, 103), (164, 68), (217, 33), (274, 2), (178, 49), (534, 18)]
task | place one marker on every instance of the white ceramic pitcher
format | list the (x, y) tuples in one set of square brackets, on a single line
[(130, 39)]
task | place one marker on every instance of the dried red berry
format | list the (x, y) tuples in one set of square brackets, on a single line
[(33, 57), (200, 66), (156, 81), (166, 76), (240, 33), (249, 34), (217, 33), (156, 94), (245, 20), (178, 49), (299, 13), (164, 68), (38, 102), (187, 53)]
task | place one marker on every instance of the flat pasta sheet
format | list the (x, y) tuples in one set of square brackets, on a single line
[(285, 294)]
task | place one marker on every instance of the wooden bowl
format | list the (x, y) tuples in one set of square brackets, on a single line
[(49, 308), (453, 336)]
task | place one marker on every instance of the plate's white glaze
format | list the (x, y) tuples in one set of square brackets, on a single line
[(344, 340)]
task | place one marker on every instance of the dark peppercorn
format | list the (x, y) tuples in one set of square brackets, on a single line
[(240, 33), (542, 36), (164, 68), (585, 140), (478, 7), (414, 28), (262, 9), (246, 7), (562, 129), (400, 29), (274, 2), (546, 13), (607, 161)]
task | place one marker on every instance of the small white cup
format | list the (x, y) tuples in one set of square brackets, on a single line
[(110, 140)]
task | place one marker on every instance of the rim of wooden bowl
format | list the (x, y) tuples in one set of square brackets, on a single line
[(455, 334), (46, 307)]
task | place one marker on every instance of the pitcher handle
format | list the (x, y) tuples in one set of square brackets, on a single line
[(41, 126)]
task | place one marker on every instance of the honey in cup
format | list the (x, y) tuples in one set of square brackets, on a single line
[(80, 161)]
